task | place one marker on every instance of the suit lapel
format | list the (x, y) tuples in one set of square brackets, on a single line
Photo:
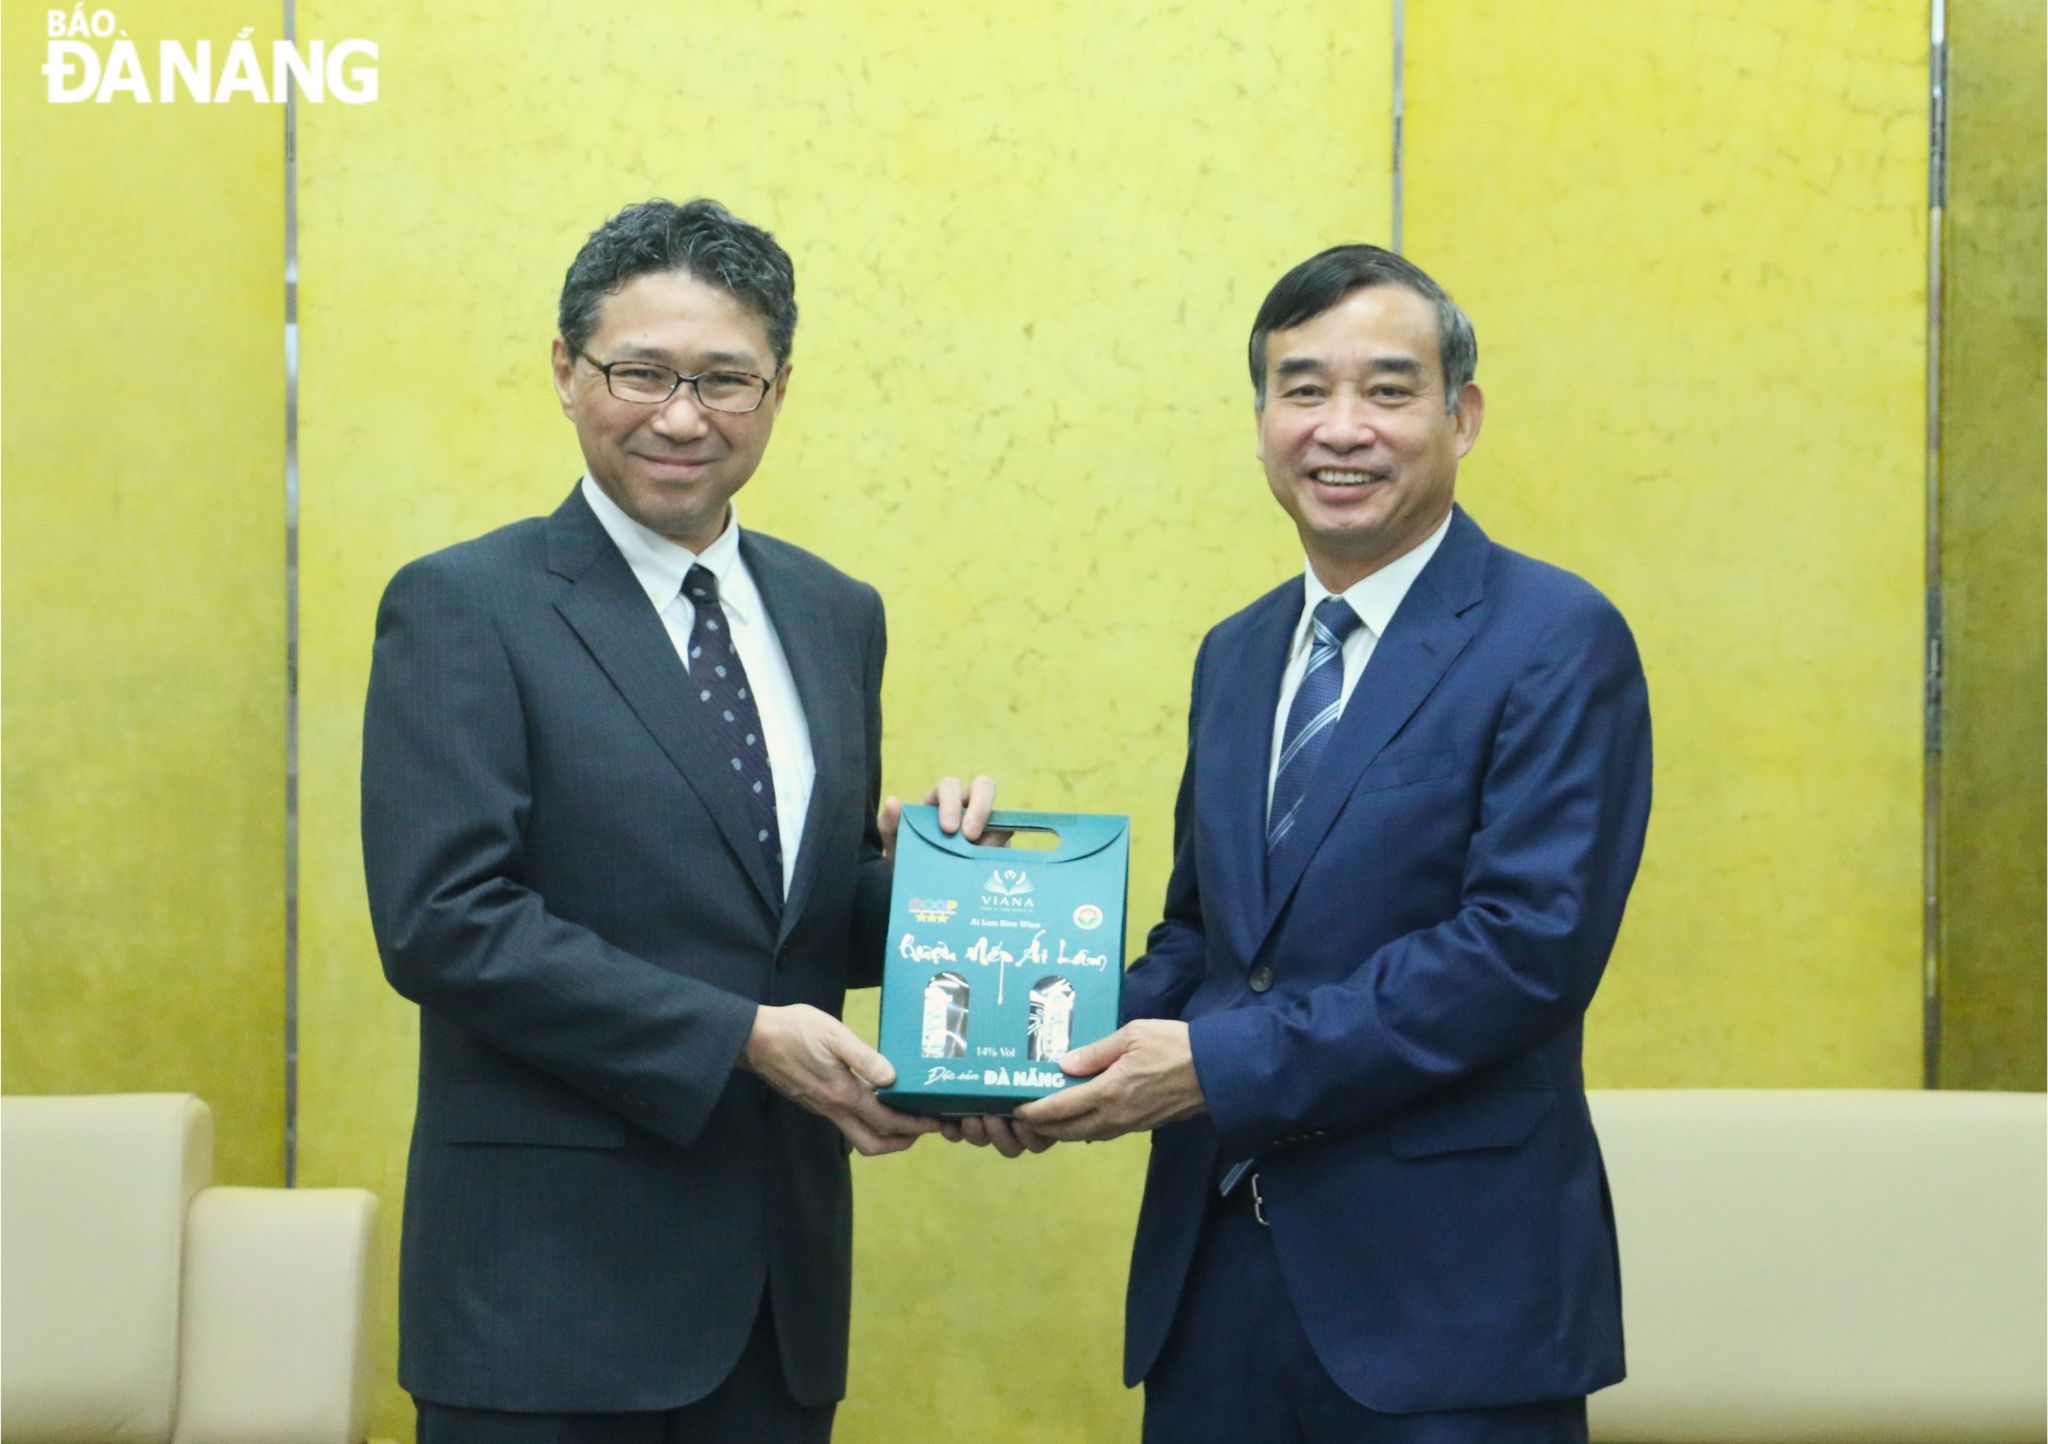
[(1429, 630), (800, 625), (1244, 707), (610, 612)]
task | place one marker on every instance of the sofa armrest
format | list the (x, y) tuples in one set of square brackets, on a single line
[(92, 1208), (274, 1322), (1828, 1265)]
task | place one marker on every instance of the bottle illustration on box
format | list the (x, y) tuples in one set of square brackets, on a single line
[(1051, 1019), (945, 1017)]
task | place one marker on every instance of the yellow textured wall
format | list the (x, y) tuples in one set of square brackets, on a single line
[(142, 787), (1027, 251), (1693, 238), (1993, 459)]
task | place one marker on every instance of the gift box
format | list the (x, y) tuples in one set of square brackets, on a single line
[(1000, 959)]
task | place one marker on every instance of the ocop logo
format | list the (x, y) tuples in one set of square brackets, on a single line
[(932, 910), (77, 72)]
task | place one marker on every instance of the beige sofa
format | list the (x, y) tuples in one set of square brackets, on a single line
[(1829, 1265), (138, 1304), (1797, 1266)]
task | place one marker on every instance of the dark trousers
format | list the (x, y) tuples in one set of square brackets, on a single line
[(1238, 1367), (752, 1405)]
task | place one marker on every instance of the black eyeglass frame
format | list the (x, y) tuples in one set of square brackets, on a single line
[(683, 378)]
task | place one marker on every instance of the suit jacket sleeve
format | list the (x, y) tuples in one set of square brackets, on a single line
[(1160, 983), (1564, 802), (871, 890), (446, 796)]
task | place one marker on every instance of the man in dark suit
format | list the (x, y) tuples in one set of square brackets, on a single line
[(620, 775), (1416, 790)]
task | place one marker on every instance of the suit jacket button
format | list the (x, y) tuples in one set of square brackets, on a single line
[(1261, 978)]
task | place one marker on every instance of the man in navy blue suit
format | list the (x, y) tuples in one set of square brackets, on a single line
[(1417, 783)]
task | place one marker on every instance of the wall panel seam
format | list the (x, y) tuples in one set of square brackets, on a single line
[(291, 615), (1932, 652), (1400, 103)]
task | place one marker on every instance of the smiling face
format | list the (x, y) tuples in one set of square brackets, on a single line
[(675, 466), (1358, 446)]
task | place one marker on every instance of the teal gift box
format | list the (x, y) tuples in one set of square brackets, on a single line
[(1000, 959)]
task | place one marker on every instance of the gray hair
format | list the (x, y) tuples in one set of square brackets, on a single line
[(1326, 278), (701, 239)]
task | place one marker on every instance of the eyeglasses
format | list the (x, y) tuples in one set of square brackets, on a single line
[(652, 384)]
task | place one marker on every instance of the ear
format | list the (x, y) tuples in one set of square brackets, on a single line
[(1471, 412), (564, 366), (1259, 429), (780, 389)]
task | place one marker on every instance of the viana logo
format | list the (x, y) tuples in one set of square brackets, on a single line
[(1007, 887)]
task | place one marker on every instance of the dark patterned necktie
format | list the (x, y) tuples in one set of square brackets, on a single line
[(730, 710), (1317, 702)]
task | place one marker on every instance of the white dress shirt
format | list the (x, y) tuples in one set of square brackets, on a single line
[(660, 566), (1375, 600)]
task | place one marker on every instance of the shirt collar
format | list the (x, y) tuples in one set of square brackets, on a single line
[(660, 565), (1374, 598)]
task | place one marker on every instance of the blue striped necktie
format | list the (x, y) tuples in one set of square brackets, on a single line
[(730, 713), (1312, 716), (1310, 720)]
